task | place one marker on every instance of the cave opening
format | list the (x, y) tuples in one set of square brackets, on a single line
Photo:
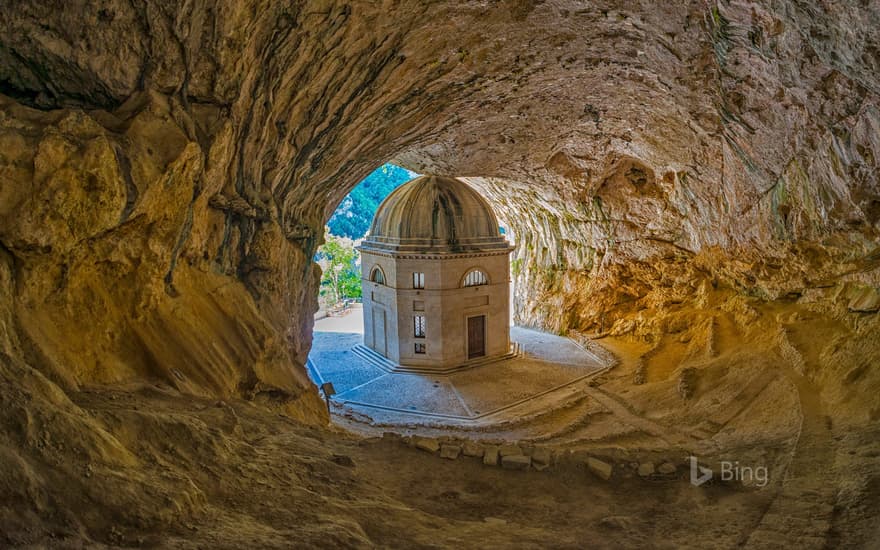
[(348, 224), (433, 342)]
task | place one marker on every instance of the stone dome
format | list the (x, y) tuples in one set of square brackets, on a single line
[(435, 214)]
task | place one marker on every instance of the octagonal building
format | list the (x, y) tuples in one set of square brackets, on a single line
[(436, 277)]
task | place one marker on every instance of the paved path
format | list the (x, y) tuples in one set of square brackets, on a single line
[(548, 364), (351, 322)]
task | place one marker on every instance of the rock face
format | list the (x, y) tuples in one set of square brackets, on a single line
[(166, 170), (99, 242)]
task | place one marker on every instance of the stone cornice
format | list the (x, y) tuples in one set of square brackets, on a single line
[(434, 256)]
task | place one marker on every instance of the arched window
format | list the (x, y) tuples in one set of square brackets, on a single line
[(475, 277), (377, 275)]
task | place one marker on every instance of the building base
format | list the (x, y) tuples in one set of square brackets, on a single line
[(390, 366)]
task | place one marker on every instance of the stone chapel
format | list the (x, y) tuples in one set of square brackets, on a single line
[(436, 277)]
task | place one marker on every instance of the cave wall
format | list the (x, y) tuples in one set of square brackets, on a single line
[(167, 169), (778, 196)]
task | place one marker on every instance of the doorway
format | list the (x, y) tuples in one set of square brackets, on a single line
[(476, 336), (380, 342)]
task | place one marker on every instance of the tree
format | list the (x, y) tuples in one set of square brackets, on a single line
[(354, 214), (339, 261), (340, 265)]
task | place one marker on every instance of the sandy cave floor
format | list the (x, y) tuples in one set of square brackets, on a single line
[(267, 482)]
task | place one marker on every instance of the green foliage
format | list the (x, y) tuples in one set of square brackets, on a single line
[(341, 271), (719, 28), (339, 261), (354, 215), (516, 266)]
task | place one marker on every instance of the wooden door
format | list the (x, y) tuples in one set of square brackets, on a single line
[(380, 342), (476, 340)]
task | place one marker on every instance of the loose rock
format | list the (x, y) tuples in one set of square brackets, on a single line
[(450, 451), (541, 456), (472, 448), (508, 450), (343, 460), (865, 300), (600, 468), (490, 457), (516, 462), (427, 444)]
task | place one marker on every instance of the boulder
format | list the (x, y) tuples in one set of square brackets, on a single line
[(600, 468), (646, 469), (541, 456), (507, 450), (490, 457), (472, 448), (428, 444), (450, 451), (516, 462), (667, 468)]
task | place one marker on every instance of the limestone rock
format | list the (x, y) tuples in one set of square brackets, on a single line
[(667, 468), (145, 180), (427, 444), (490, 457), (449, 451), (515, 462), (541, 457), (646, 469), (166, 169), (507, 450), (472, 448), (599, 468)]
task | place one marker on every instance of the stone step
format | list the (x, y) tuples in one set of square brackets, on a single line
[(388, 365), (374, 358)]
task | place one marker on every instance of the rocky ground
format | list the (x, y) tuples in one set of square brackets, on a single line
[(230, 475)]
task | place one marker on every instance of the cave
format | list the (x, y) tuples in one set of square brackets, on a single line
[(692, 193)]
